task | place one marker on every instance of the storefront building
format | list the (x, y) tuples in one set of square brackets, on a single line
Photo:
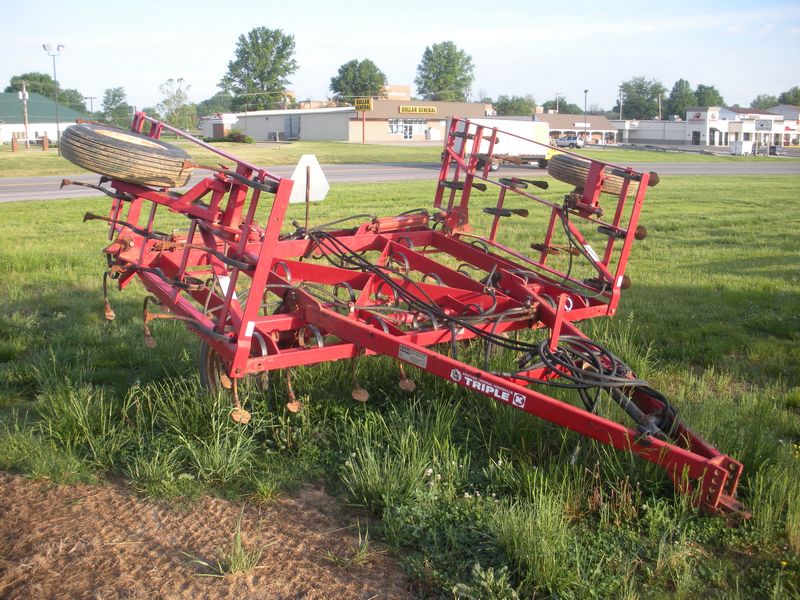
[(384, 120)]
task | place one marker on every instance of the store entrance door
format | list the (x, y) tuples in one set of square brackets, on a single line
[(408, 132)]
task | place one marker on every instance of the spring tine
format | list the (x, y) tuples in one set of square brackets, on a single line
[(149, 340), (107, 310), (359, 394), (293, 406), (406, 384), (238, 414)]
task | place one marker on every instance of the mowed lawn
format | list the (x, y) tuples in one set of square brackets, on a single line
[(471, 495), (35, 162)]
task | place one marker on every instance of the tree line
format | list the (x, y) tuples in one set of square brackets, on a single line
[(263, 62)]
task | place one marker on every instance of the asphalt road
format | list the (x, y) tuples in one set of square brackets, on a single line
[(18, 189)]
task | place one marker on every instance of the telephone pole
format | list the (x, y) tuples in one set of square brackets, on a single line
[(23, 95)]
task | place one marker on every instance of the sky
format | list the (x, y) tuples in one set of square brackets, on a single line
[(745, 48)]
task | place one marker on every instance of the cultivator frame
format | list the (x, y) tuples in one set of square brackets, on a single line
[(219, 276)]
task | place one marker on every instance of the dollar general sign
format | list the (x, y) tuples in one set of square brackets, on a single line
[(363, 103)]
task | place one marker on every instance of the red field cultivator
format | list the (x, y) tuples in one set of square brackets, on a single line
[(409, 286)]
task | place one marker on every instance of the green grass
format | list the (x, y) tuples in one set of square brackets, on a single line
[(231, 560), (477, 499), (623, 156), (33, 162)]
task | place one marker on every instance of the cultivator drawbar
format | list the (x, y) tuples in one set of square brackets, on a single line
[(411, 287)]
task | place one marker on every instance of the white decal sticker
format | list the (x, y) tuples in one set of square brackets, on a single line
[(490, 389), (251, 325), (411, 356), (619, 281), (590, 251)]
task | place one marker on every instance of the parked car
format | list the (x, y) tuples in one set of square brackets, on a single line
[(569, 141), (777, 151)]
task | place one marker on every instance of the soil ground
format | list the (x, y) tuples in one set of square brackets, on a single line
[(102, 542)]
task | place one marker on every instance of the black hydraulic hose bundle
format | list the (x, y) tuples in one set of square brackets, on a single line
[(581, 364)]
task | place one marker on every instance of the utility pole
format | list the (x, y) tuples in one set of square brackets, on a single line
[(585, 124), (91, 100), (620, 104), (23, 95), (558, 98)]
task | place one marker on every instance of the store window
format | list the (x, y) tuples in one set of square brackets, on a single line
[(407, 127)]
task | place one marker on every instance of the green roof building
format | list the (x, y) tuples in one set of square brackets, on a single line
[(41, 117)]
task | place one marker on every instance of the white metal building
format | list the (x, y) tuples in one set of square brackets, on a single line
[(312, 124), (710, 126)]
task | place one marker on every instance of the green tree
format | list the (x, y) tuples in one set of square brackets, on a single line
[(72, 98), (115, 108), (680, 99), (764, 101), (175, 108), (640, 98), (218, 103), (356, 79), (515, 105), (562, 106), (445, 73), (790, 96), (36, 83), (259, 73), (708, 95)]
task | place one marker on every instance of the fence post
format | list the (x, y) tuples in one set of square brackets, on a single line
[(14, 144), (45, 142)]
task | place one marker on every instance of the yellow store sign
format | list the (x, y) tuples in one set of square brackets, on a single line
[(418, 110), (363, 103)]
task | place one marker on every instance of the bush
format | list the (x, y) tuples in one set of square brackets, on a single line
[(235, 136)]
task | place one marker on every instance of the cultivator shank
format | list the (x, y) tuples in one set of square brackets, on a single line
[(413, 286)]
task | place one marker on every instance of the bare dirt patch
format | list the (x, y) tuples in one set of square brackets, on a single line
[(87, 541)]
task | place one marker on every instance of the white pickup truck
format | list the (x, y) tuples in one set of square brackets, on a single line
[(515, 141)]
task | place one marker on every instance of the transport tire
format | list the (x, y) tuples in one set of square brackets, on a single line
[(543, 163), (125, 155), (574, 171)]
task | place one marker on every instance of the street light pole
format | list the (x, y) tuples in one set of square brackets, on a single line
[(49, 49), (558, 98), (585, 124)]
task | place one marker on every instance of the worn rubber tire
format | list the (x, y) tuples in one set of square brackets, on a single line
[(125, 155), (574, 171)]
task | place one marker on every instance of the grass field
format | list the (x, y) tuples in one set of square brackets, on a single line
[(472, 495), (32, 163)]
